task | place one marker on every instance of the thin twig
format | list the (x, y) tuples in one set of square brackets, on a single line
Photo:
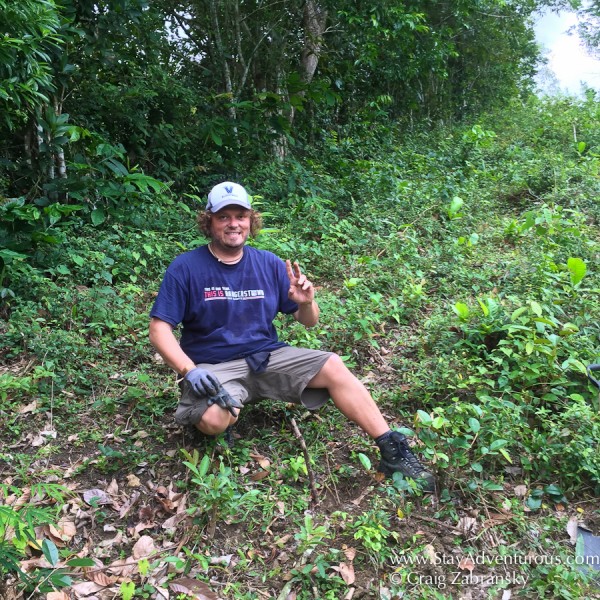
[(437, 522), (311, 478)]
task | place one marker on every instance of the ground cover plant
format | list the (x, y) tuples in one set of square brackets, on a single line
[(457, 273)]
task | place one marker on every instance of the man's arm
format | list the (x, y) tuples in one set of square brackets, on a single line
[(166, 344), (307, 314)]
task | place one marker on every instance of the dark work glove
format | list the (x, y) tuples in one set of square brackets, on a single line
[(225, 400), (203, 382)]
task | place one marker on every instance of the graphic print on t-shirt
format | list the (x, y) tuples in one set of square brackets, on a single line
[(226, 293)]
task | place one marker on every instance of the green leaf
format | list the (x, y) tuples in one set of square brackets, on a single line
[(573, 363), (424, 417), (352, 282), (143, 182), (477, 467), (474, 425), (50, 551), (554, 490), (60, 580), (462, 310), (80, 562), (484, 307), (204, 465), (365, 461), (127, 590), (577, 268), (98, 216), (533, 503), (9, 255), (536, 308), (438, 422), (492, 487), (216, 138), (496, 444), (455, 206)]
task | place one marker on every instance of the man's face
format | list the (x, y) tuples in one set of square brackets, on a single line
[(230, 227)]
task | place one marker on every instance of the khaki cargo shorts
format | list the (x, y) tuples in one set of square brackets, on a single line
[(288, 373)]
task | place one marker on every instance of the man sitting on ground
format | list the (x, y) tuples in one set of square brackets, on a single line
[(226, 295)]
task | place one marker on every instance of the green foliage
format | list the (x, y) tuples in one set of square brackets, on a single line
[(31, 32), (216, 495), (18, 532), (456, 273)]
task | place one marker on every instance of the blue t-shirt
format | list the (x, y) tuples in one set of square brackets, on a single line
[(226, 311)]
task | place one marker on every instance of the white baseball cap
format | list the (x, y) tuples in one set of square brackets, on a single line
[(226, 193)]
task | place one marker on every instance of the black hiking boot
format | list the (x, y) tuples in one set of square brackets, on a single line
[(229, 439), (396, 455)]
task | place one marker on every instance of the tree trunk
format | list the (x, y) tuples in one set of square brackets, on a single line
[(314, 21)]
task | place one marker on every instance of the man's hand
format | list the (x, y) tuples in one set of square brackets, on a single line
[(301, 289), (226, 401), (203, 382)]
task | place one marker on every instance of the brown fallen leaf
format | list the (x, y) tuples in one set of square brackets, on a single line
[(35, 563), (113, 487), (123, 567), (467, 525), (134, 531), (196, 589), (349, 552), (258, 475), (520, 491), (143, 547), (430, 553), (99, 577), (364, 494), (28, 408), (57, 596), (466, 564), (18, 501), (96, 497), (572, 529), (64, 531), (263, 461), (173, 521), (346, 572), (86, 588), (133, 480), (112, 542), (497, 519), (146, 514), (135, 496)]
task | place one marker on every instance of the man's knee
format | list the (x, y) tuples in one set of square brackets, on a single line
[(335, 371), (215, 420), (335, 367)]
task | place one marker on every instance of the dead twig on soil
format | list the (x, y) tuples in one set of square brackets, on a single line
[(437, 522), (311, 477)]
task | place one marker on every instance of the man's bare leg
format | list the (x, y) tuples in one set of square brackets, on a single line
[(350, 396)]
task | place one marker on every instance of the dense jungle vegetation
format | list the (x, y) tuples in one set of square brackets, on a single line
[(449, 216)]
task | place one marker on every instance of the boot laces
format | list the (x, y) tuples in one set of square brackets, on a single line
[(403, 453)]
